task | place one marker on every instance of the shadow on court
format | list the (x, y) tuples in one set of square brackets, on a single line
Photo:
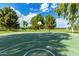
[(46, 44)]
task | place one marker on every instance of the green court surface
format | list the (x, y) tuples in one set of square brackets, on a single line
[(39, 44)]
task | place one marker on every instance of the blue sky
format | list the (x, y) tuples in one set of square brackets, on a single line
[(31, 9), (25, 8)]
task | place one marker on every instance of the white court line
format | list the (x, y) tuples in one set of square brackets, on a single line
[(4, 34), (13, 46), (39, 49), (17, 45), (21, 33), (74, 50)]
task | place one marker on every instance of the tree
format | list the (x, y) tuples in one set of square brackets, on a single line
[(69, 11), (62, 9), (37, 21), (24, 24), (76, 27), (73, 10), (50, 22), (8, 18)]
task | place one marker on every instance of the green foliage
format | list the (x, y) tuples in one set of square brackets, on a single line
[(50, 22), (35, 20), (58, 12), (24, 24), (73, 11), (76, 27), (8, 18), (63, 9), (69, 11), (73, 8)]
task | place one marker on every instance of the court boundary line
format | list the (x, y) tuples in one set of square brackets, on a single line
[(17, 45), (12, 46), (38, 49), (74, 50), (13, 33)]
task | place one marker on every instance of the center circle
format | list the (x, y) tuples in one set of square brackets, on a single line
[(39, 52)]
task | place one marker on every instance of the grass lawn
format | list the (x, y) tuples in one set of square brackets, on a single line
[(31, 30), (56, 44)]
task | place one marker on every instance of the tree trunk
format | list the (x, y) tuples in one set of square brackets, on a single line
[(72, 29)]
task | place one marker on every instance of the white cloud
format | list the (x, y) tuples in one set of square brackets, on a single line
[(62, 23), (35, 9), (29, 17), (54, 5), (32, 9), (26, 18), (20, 20), (12, 8), (19, 14), (61, 20), (27, 3), (44, 7)]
